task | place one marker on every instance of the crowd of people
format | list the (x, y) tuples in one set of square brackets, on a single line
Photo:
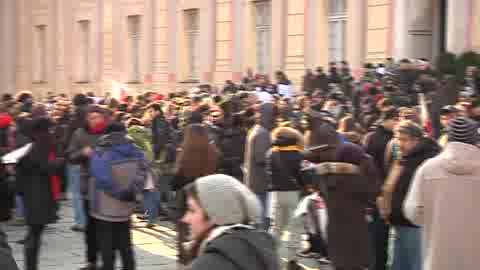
[(379, 171)]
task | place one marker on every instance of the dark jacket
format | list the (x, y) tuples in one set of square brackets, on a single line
[(160, 134), (321, 82), (233, 149), (239, 250), (6, 195), (258, 143), (80, 139), (76, 121), (308, 82), (425, 150), (284, 162), (34, 173), (7, 262), (406, 79), (334, 76), (375, 144), (348, 193), (116, 186)]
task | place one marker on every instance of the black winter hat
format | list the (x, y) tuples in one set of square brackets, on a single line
[(115, 127), (80, 100), (40, 125)]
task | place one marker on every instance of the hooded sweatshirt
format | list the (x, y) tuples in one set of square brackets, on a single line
[(444, 200), (258, 143)]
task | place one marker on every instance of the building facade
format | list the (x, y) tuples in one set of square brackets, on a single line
[(72, 46)]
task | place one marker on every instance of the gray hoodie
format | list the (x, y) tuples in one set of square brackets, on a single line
[(258, 143)]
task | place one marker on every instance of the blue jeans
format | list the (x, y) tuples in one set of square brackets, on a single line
[(406, 245), (151, 202), (263, 198), (73, 174), (19, 206)]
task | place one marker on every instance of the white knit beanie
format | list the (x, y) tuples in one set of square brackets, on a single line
[(226, 201)]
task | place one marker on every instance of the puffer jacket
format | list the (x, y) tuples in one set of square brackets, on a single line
[(283, 161), (119, 171)]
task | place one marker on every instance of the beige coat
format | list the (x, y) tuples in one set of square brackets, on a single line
[(444, 198)]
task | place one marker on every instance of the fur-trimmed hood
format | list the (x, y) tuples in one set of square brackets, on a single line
[(286, 136)]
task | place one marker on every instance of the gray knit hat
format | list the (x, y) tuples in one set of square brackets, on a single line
[(463, 129), (227, 201)]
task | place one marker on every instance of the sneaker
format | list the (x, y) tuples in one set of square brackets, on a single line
[(77, 228), (293, 265), (142, 217), (89, 267), (308, 254), (324, 261), (21, 242), (150, 225)]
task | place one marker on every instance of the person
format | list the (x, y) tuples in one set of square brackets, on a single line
[(283, 165), (307, 81), (472, 81), (475, 111), (443, 195), (119, 171), (160, 130), (321, 80), (6, 190), (375, 144), (348, 180), (447, 114), (77, 121), (198, 157), (334, 76), (263, 90), (415, 148), (233, 146), (79, 152), (224, 237), (35, 173), (230, 87), (7, 262), (284, 85), (258, 143)]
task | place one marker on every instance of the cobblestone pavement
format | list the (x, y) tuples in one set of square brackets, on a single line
[(63, 249)]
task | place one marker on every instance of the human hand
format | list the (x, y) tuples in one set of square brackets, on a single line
[(87, 151)]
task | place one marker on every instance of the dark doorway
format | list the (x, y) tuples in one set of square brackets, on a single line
[(443, 26)]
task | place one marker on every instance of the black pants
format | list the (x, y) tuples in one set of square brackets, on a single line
[(32, 246), (182, 228), (379, 233), (318, 245), (90, 235), (114, 236)]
